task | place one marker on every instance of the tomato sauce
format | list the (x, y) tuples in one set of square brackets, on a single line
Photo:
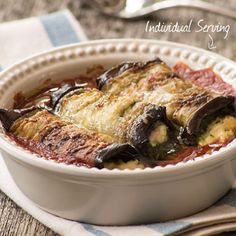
[(43, 94), (189, 153)]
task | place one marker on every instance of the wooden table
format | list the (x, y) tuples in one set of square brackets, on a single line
[(13, 220)]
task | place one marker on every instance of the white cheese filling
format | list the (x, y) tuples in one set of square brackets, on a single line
[(221, 130)]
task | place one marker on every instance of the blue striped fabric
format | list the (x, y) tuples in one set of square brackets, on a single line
[(169, 228), (94, 231), (59, 29)]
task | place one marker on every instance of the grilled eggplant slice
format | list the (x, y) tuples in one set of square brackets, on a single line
[(153, 134), (187, 104), (145, 126), (116, 71), (7, 117), (49, 136)]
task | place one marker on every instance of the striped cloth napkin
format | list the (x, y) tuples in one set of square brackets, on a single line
[(25, 37), (19, 39)]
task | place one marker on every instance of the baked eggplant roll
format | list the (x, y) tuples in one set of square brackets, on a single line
[(187, 105), (51, 137), (125, 119)]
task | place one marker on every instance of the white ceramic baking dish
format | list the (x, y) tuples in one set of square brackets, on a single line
[(115, 197)]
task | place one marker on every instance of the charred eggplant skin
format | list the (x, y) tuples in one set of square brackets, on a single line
[(7, 117), (210, 107), (188, 135), (57, 95), (62, 141), (116, 152), (144, 126), (102, 79), (117, 70)]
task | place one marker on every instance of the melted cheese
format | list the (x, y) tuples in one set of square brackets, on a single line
[(131, 165), (158, 135), (220, 130)]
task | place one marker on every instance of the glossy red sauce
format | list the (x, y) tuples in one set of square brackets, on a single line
[(26, 100), (205, 78), (190, 153), (38, 148)]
